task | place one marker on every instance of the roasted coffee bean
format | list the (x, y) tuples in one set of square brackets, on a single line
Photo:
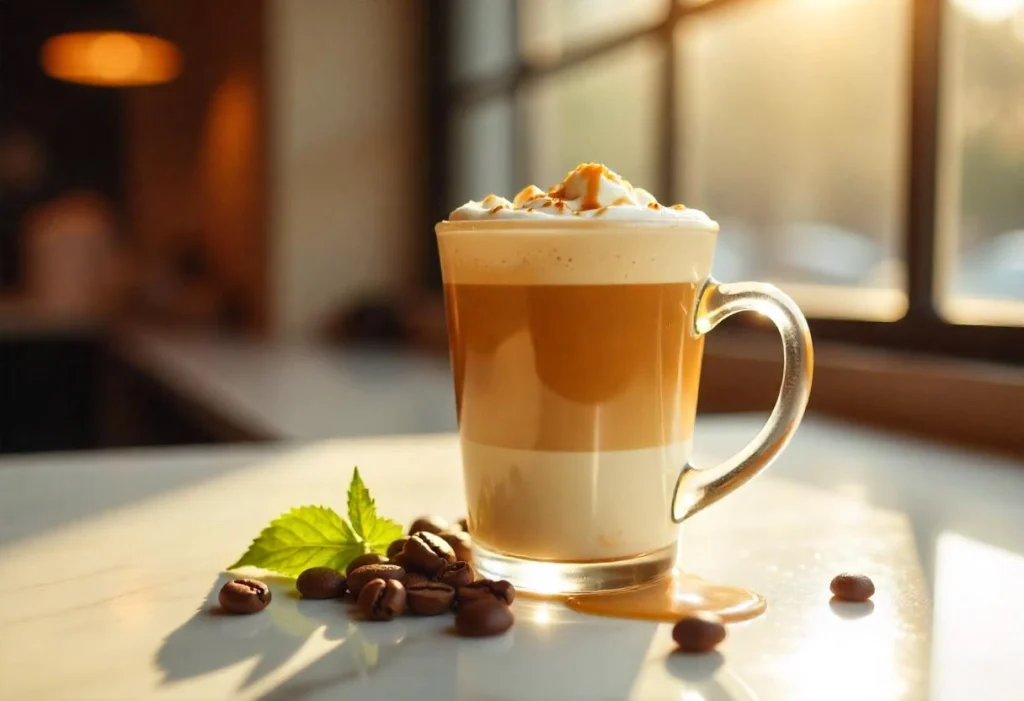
[(358, 579), (382, 600), (487, 589), (367, 559), (852, 587), (427, 553), (428, 524), (244, 596), (430, 598), (698, 632), (457, 574), (397, 546), (483, 618), (321, 583), (461, 544), (413, 578)]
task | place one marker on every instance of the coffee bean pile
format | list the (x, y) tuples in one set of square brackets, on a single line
[(426, 573)]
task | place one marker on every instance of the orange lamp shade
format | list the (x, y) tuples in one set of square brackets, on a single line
[(113, 59)]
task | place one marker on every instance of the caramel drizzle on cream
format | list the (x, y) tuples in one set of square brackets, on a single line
[(593, 173)]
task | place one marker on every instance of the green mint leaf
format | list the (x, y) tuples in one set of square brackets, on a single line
[(380, 533), (359, 502), (377, 533), (307, 536)]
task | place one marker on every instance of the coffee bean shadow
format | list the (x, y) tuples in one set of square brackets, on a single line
[(212, 639), (706, 676), (694, 667), (851, 610)]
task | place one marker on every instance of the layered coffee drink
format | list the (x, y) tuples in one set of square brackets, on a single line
[(570, 320)]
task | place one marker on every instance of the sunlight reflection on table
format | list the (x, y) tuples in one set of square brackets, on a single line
[(979, 609)]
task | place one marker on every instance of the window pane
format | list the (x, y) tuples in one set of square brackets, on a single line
[(981, 207), (606, 110), (483, 38), (793, 118), (547, 28), (481, 156)]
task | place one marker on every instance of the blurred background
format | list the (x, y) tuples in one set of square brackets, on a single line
[(216, 217)]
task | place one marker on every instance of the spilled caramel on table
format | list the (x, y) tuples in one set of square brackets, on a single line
[(670, 598)]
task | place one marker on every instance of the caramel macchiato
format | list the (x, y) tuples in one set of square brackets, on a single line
[(576, 318), (575, 370)]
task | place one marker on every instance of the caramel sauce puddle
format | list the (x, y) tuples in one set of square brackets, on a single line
[(667, 599)]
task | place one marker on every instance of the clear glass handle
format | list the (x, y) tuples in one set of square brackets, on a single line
[(698, 488)]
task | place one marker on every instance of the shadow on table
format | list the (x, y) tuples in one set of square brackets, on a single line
[(211, 639), (707, 678), (851, 610), (395, 660), (550, 653), (553, 652)]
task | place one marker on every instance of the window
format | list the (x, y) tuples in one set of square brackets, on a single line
[(605, 110), (981, 211), (865, 155), (791, 119)]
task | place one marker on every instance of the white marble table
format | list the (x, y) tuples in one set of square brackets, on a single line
[(110, 563)]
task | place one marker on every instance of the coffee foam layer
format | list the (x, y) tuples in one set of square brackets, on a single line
[(505, 254)]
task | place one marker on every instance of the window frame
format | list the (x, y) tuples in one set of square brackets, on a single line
[(921, 329)]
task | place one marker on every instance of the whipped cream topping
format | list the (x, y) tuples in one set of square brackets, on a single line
[(590, 191)]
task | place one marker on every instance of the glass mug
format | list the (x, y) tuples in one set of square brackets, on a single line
[(576, 350)]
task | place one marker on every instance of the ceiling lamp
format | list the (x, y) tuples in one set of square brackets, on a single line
[(111, 58)]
